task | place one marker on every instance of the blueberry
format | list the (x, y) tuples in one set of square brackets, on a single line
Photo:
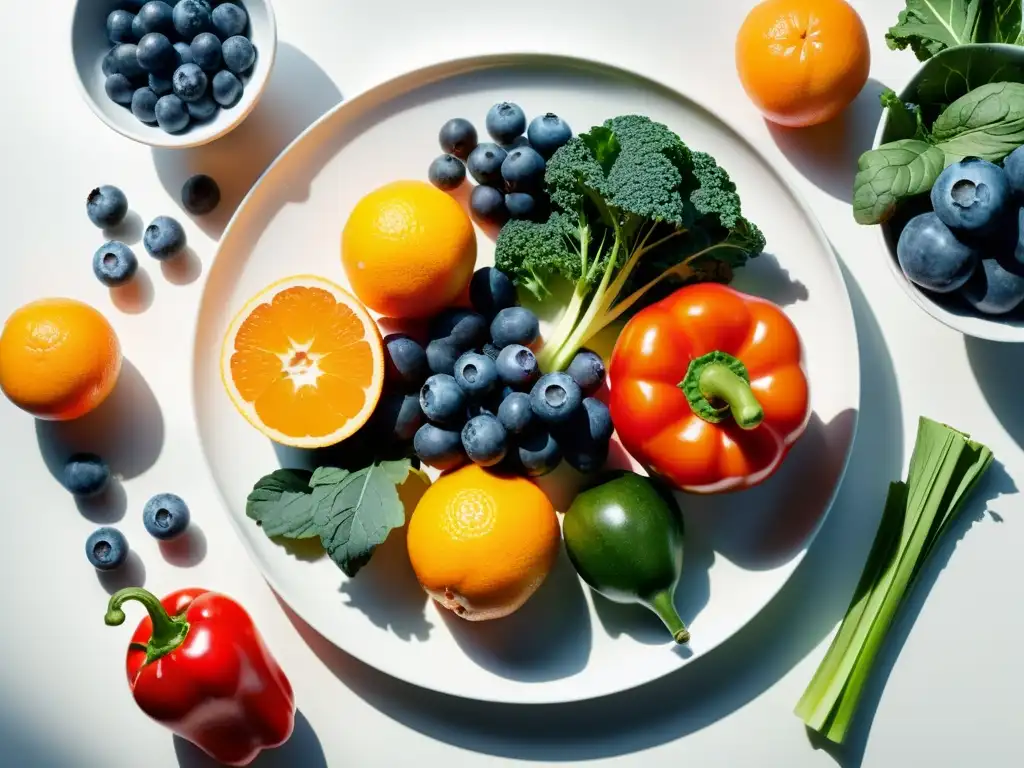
[(114, 263), (555, 397), (539, 452), (441, 356), (85, 475), (165, 516), (517, 367), (484, 163), (171, 114), (109, 65), (547, 133), (931, 256), (161, 86), (106, 549), (443, 401), (156, 54), (523, 170), (229, 20), (164, 237), (440, 448), (491, 351), (458, 137), (206, 51), (515, 413), (398, 416), (405, 361), (154, 16), (994, 289), (119, 27), (119, 89), (599, 419), (202, 108), (484, 440), (505, 122), (520, 205), (587, 370), (584, 437), (227, 89), (238, 54), (1013, 165), (488, 205), (184, 53), (144, 105), (490, 291), (488, 404), (190, 18), (476, 374), (446, 172), (464, 328), (189, 82), (127, 57), (515, 325), (971, 196), (106, 206)]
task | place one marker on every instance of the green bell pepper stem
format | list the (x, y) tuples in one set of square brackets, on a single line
[(169, 632), (717, 378)]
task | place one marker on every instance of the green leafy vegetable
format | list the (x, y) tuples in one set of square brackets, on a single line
[(931, 26), (988, 123), (282, 504), (892, 173), (958, 71), (905, 121), (945, 467), (1000, 22)]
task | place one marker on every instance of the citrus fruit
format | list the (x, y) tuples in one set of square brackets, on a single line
[(481, 543), (802, 61), (408, 250), (303, 362), (59, 358)]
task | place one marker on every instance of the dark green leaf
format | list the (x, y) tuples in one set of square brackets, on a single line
[(891, 173), (931, 26), (904, 119), (603, 146), (988, 123), (960, 70), (1001, 22), (282, 504)]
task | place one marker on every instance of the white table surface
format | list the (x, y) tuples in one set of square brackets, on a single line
[(952, 695)]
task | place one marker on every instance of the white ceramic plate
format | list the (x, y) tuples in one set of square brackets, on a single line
[(566, 643)]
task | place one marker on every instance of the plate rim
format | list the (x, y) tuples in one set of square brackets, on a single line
[(453, 67)]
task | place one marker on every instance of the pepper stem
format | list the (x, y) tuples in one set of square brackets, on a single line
[(663, 604), (169, 632), (717, 385)]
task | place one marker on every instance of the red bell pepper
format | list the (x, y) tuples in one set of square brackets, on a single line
[(707, 388), (198, 665)]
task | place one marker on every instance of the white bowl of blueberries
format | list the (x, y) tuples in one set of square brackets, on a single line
[(173, 73)]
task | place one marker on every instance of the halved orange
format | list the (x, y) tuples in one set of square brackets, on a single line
[(303, 361)]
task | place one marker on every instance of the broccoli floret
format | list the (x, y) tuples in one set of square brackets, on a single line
[(532, 253)]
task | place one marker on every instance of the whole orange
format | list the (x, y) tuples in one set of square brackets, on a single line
[(802, 61), (481, 543), (408, 249), (59, 358)]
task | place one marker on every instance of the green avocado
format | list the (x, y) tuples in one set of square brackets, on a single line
[(625, 539)]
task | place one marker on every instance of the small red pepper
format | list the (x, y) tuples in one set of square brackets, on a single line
[(198, 665)]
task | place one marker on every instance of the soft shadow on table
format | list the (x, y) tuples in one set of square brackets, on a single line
[(827, 154), (998, 367), (804, 612), (298, 92), (132, 573), (187, 550), (129, 231), (765, 277), (135, 296), (302, 750), (25, 744)]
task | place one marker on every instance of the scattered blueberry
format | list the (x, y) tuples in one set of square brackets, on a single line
[(440, 448), (227, 89), (458, 137), (191, 17), (238, 54), (464, 328), (993, 289), (523, 169), (171, 114), (490, 291), (106, 206), (155, 16), (200, 193), (119, 89), (484, 163), (517, 366), (202, 108), (555, 397), (931, 256), (161, 86), (229, 20), (520, 205), (189, 81), (184, 53), (1013, 165), (442, 399), (165, 516), (505, 122), (477, 374), (119, 27), (109, 65), (515, 325), (399, 416), (114, 263), (441, 356), (156, 54), (972, 195), (446, 172), (206, 51), (547, 133), (515, 413), (144, 105), (491, 351), (85, 475), (488, 205), (539, 452), (587, 370), (106, 549), (127, 57), (164, 237), (405, 361), (484, 440)]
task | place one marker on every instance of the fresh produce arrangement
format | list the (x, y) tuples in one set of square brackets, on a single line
[(173, 66)]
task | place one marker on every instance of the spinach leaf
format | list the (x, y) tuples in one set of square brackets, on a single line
[(1001, 22), (930, 26), (282, 503), (892, 173), (905, 120), (988, 123), (960, 70)]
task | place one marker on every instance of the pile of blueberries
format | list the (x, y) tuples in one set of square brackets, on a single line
[(971, 242), (476, 393), (173, 66), (509, 171)]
